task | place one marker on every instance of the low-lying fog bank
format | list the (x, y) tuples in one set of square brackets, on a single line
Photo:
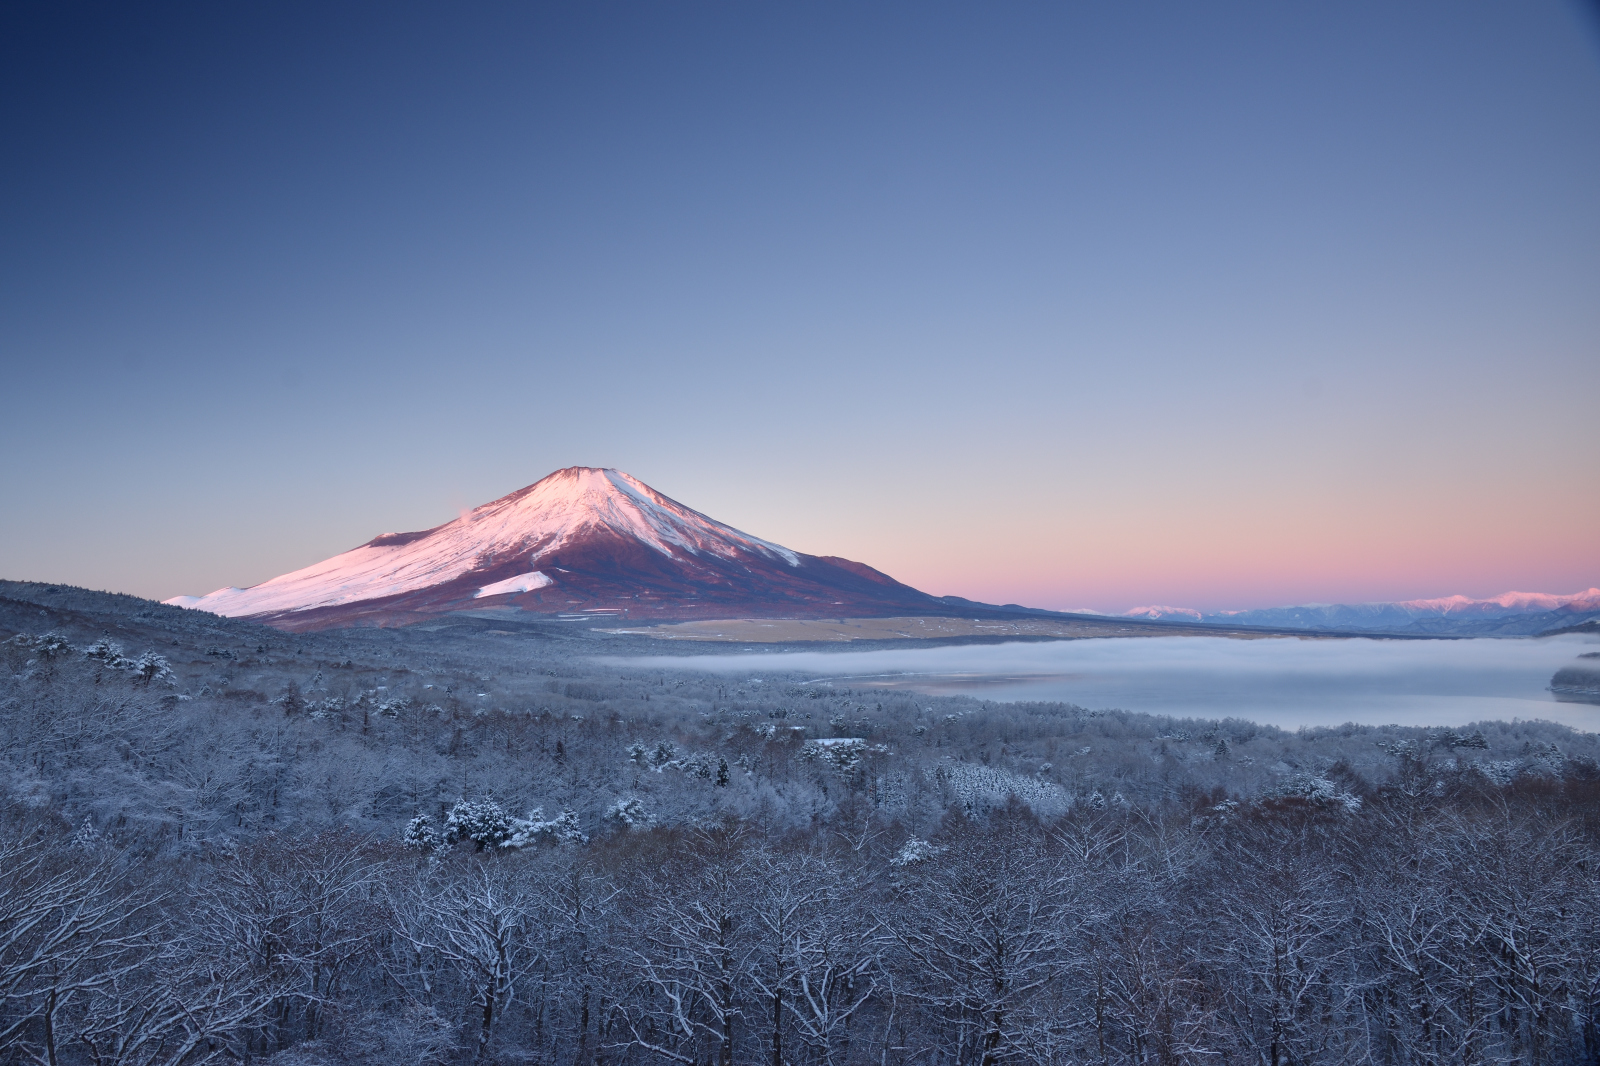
[(1284, 682)]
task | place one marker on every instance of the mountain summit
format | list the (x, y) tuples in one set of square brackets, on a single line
[(582, 540)]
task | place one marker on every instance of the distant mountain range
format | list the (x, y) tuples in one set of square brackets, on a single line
[(587, 542), (582, 541), (1509, 614)]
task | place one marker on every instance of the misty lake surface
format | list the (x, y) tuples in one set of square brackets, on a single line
[(1286, 682)]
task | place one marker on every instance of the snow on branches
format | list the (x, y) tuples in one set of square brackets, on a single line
[(487, 825), (484, 822)]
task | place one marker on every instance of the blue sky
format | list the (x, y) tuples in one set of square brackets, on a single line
[(1070, 305)]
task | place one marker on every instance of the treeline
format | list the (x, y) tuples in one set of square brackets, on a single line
[(1454, 924)]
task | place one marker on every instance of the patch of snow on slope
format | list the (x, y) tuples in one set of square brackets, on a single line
[(527, 525), (520, 583)]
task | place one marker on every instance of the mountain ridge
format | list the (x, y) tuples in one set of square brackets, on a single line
[(582, 540), (1508, 614)]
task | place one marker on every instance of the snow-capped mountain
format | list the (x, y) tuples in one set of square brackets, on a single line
[(1509, 614), (1154, 612), (580, 540)]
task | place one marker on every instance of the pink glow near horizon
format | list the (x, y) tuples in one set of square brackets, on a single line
[(1061, 305), (1252, 573), (1059, 550)]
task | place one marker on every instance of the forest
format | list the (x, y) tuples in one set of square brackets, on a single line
[(473, 842)]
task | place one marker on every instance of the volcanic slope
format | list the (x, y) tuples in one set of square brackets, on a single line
[(580, 541)]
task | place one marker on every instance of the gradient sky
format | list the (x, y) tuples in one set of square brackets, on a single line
[(1217, 305)]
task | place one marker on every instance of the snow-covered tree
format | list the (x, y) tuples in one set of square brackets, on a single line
[(484, 822), (980, 940), (107, 653), (628, 813), (480, 926), (536, 829), (420, 835), (151, 667), (86, 837), (816, 962), (694, 941), (51, 646), (699, 765), (914, 851), (1315, 789)]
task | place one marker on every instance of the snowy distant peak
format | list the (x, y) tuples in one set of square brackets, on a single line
[(1442, 615), (1503, 604), (1162, 612), (1508, 601)]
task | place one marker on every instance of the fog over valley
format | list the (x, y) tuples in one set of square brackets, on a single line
[(1285, 682)]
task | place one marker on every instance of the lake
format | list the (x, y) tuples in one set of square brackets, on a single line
[(1287, 682)]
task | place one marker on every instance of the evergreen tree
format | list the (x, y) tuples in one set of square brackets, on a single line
[(420, 834), (152, 667), (484, 822)]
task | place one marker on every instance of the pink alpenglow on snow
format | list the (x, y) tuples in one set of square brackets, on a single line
[(1512, 601), (1162, 612), (532, 523), (523, 583), (1445, 614), (580, 539)]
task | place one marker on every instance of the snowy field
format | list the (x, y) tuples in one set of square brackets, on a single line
[(1283, 682)]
